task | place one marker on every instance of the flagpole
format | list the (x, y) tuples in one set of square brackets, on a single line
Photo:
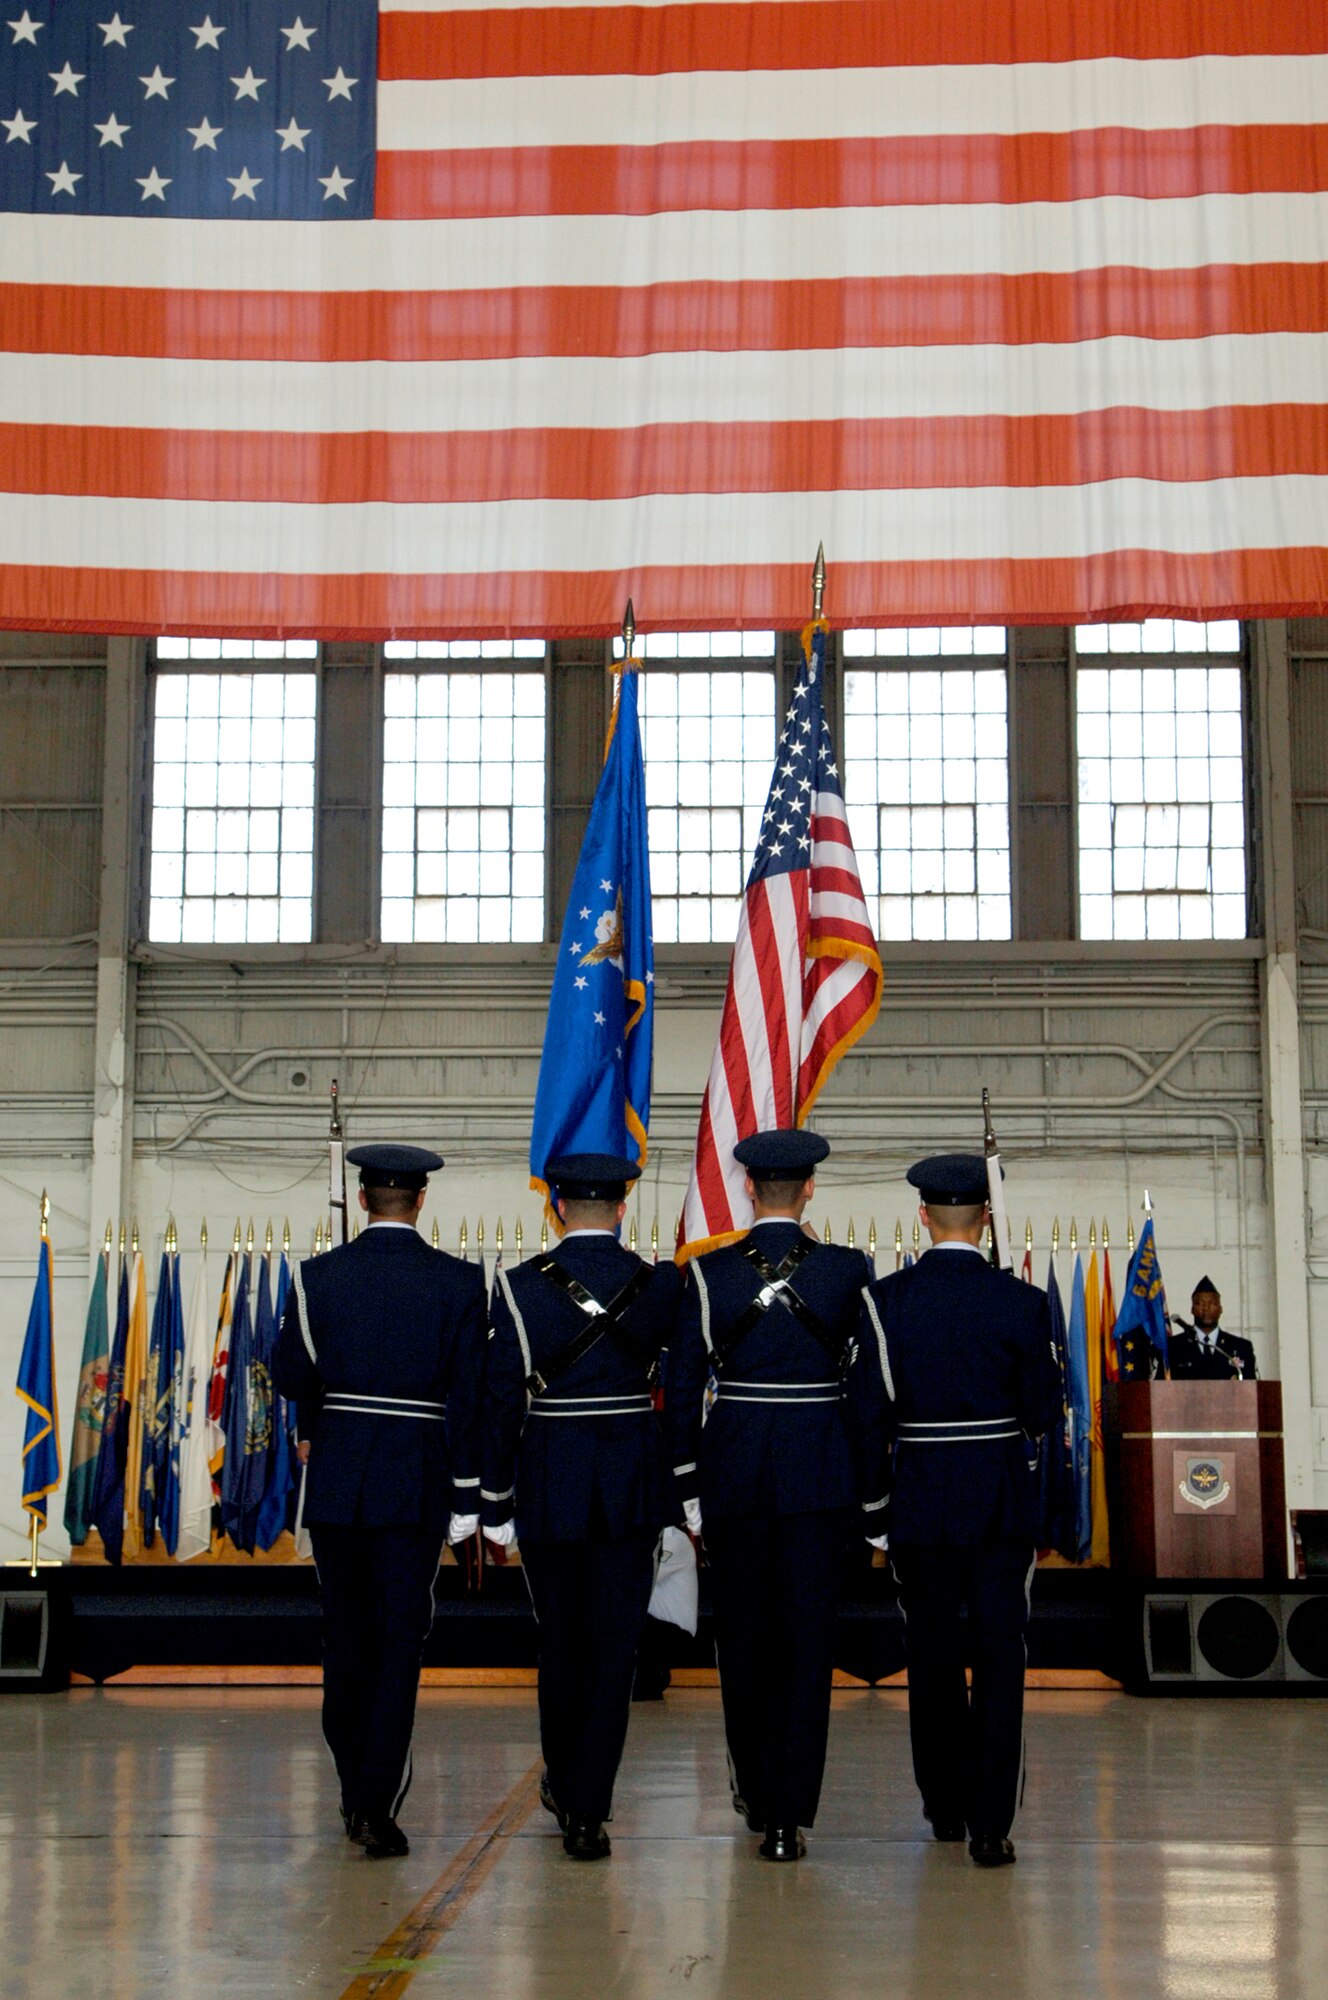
[(1000, 1230), (34, 1561)]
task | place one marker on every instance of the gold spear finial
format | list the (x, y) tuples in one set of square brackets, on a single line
[(871, 1238), (899, 1243), (285, 1236), (1092, 1234), (249, 1238), (318, 1237), (631, 1234), (518, 1234), (1106, 1240), (544, 1235), (479, 1234), (108, 1240), (498, 1237), (170, 1236), (1074, 1236), (465, 1237), (267, 1240), (133, 1237), (1028, 1233), (122, 1239), (45, 1214), (1129, 1234), (826, 1237), (818, 580), (327, 1231), (629, 631), (238, 1238), (202, 1236), (917, 1235), (654, 1239), (1056, 1237), (356, 1230), (852, 1237), (434, 1234)]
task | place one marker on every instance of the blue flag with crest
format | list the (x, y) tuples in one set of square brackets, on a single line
[(35, 1389), (594, 1080), (1141, 1323)]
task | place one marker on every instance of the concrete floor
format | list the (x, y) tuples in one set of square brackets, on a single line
[(185, 1843)]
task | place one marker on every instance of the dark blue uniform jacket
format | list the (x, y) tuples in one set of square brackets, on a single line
[(945, 1349), (386, 1317), (1190, 1362), (585, 1458), (774, 1441)]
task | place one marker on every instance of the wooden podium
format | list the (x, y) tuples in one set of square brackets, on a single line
[(1199, 1479)]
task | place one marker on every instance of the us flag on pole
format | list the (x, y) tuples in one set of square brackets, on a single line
[(805, 981)]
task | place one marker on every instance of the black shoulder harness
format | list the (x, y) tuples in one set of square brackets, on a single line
[(776, 1288), (600, 1320)]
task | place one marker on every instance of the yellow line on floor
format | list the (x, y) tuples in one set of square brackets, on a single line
[(396, 1960)]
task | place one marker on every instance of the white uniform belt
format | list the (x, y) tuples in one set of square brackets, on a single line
[(350, 1403), (778, 1392), (589, 1406), (959, 1430)]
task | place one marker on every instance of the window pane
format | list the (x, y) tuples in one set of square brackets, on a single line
[(464, 746), (1161, 793), (942, 826), (708, 737), (232, 875)]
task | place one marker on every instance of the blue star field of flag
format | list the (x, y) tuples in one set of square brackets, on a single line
[(233, 108), (804, 766)]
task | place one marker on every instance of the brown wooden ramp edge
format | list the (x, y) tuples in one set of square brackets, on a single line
[(397, 1958)]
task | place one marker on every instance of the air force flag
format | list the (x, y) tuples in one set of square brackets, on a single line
[(594, 1080)]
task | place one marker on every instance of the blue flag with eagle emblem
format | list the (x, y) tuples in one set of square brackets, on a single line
[(594, 1081)]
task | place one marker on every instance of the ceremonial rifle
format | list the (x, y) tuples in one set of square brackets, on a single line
[(336, 1163), (1000, 1229)]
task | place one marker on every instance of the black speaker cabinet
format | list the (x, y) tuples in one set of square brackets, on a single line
[(1225, 1639), (34, 1632)]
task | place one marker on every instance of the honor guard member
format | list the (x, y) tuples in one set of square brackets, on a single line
[(764, 1465), (382, 1346), (1205, 1351), (574, 1470), (958, 1378)]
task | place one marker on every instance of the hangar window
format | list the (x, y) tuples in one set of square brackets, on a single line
[(232, 829), (920, 642), (1161, 801), (708, 740), (1161, 635), (927, 789), (463, 832)]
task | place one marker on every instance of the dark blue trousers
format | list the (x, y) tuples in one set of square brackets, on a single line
[(774, 1589), (590, 1598), (968, 1752), (377, 1592)]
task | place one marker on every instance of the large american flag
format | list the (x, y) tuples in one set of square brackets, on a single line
[(805, 979), (479, 318)]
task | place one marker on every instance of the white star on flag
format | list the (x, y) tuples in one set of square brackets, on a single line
[(112, 132), (248, 85), (336, 183), (607, 887), (599, 1020), (115, 30), (65, 80), (205, 135), (207, 36), (297, 37), (584, 915), (156, 85), (18, 127), (244, 185), (340, 85), (293, 135), (153, 186), (581, 982), (62, 182), (25, 28)]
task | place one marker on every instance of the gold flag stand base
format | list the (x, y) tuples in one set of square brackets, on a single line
[(32, 1561)]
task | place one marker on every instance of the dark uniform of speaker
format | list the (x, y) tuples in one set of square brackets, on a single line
[(382, 1348)]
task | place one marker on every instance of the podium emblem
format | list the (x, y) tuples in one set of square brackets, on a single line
[(1204, 1484)]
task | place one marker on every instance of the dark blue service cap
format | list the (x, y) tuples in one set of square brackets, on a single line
[(394, 1166), (956, 1180), (1205, 1284), (591, 1176), (782, 1155)]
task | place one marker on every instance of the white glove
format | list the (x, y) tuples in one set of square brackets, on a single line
[(461, 1527), (691, 1513), (881, 1542), (503, 1537)]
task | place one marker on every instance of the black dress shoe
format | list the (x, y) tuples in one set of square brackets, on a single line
[(549, 1803), (383, 1839), (755, 1820), (357, 1827), (991, 1850), (585, 1840), (943, 1827), (783, 1843)]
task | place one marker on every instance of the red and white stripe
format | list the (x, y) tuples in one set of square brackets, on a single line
[(804, 982), (1022, 310)]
